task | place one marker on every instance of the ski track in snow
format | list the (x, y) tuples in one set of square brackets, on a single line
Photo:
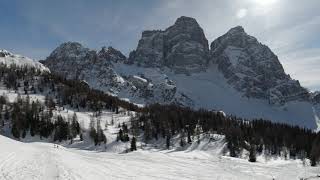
[(40, 160)]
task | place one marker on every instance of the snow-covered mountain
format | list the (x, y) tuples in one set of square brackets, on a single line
[(238, 74), (9, 58)]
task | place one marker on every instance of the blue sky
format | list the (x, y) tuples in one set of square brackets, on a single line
[(289, 27)]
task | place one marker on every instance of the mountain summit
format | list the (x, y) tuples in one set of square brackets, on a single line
[(182, 47), (253, 68)]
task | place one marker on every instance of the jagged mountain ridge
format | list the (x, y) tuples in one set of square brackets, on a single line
[(74, 61), (237, 74)]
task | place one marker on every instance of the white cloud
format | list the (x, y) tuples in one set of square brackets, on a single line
[(241, 13)]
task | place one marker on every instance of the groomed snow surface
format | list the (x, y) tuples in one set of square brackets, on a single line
[(40, 160)]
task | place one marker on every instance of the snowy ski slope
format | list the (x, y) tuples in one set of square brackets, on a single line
[(40, 160)]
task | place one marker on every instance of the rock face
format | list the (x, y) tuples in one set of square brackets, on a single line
[(249, 66), (316, 97), (70, 59), (74, 61), (253, 68), (182, 47), (111, 54)]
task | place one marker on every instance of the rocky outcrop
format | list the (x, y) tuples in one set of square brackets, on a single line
[(182, 47), (74, 61), (111, 54), (315, 97), (252, 68)]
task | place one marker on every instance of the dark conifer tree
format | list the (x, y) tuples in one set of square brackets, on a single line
[(133, 146), (252, 154)]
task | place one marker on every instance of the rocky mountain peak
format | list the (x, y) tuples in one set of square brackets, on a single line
[(70, 47), (184, 21), (189, 29), (111, 54), (236, 37), (67, 50), (237, 30), (182, 47), (253, 68)]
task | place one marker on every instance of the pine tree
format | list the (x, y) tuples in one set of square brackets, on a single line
[(182, 142), (168, 141), (93, 132), (252, 155), (6, 113), (99, 131), (198, 131), (133, 144), (112, 120), (75, 127), (15, 131), (81, 137), (315, 151), (120, 135), (24, 133)]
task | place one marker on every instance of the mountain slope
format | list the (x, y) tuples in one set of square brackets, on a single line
[(210, 90), (238, 74), (8, 59)]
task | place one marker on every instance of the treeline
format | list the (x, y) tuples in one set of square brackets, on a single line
[(25, 116), (256, 136), (37, 118), (15, 77), (78, 95), (59, 90)]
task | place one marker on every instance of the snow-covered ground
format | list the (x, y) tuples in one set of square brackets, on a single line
[(41, 160)]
